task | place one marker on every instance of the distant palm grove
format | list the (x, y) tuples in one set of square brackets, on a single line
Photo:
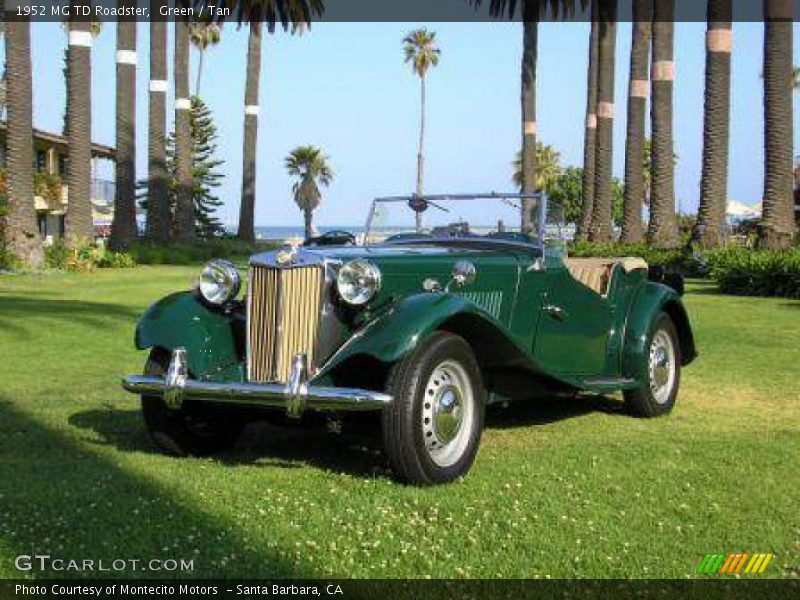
[(170, 189)]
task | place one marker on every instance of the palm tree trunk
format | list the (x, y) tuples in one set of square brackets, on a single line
[(590, 135), (199, 73), (21, 231), (710, 228), (123, 227), (184, 206), (308, 217), (420, 150), (778, 228), (158, 210), (248, 204), (604, 155), (79, 224), (663, 227), (637, 105), (530, 50)]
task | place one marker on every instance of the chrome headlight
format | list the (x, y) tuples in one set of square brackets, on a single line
[(359, 280), (219, 282)]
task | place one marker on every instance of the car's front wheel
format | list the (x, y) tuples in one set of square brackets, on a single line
[(661, 372), (432, 429), (192, 430)]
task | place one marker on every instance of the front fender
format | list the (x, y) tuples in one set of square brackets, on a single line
[(181, 319), (649, 302), (397, 332)]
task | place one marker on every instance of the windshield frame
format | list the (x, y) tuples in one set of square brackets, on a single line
[(537, 244)]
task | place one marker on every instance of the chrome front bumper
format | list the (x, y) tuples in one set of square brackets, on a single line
[(295, 396)]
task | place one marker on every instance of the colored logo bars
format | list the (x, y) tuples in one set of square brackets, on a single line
[(733, 563)]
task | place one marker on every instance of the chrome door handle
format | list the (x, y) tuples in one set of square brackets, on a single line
[(556, 312)]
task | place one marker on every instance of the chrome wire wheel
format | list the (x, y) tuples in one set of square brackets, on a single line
[(662, 366), (448, 413)]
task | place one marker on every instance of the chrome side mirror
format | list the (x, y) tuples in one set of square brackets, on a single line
[(538, 265), (464, 273)]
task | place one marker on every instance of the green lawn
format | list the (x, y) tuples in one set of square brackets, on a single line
[(570, 488)]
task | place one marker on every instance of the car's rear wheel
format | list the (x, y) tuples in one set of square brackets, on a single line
[(660, 373), (192, 430), (432, 429)]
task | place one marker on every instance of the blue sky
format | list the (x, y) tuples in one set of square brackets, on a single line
[(344, 87)]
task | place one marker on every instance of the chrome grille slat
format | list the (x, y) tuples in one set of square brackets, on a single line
[(284, 307)]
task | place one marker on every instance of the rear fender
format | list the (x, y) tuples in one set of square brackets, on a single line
[(209, 336), (651, 300)]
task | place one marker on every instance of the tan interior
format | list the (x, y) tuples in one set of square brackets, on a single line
[(595, 273)]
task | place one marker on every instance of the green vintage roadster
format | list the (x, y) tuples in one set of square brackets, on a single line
[(448, 303)]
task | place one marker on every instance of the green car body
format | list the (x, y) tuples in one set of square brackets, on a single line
[(597, 347), (450, 324)]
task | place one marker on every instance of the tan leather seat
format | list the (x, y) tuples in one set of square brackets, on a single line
[(595, 273)]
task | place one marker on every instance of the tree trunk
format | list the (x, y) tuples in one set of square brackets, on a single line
[(308, 217), (530, 49), (21, 231), (638, 87), (79, 224), (589, 142), (199, 73), (420, 151), (710, 230), (778, 226), (248, 204), (604, 154), (184, 206), (123, 227), (158, 209), (663, 227)]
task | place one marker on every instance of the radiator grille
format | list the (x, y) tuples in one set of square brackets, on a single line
[(284, 308)]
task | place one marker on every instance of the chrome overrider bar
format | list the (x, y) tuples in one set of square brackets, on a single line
[(295, 396)]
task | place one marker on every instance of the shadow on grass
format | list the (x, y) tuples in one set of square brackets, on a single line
[(357, 451), (278, 442), (60, 498), (18, 311)]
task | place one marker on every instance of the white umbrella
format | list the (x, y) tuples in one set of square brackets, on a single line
[(740, 210)]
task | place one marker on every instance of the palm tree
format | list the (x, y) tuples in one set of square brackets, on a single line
[(547, 163), (21, 231), (294, 14), (532, 11), (600, 230), (311, 169), (203, 35), (123, 227), (158, 211), (778, 228), (589, 140), (663, 227), (422, 53), (184, 204), (637, 104), (79, 223), (247, 207), (710, 228)]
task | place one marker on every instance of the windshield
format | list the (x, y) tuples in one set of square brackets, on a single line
[(495, 217)]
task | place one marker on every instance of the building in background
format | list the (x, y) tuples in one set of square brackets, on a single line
[(51, 195)]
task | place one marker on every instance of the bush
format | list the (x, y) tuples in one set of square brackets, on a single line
[(747, 272), (673, 260), (85, 258), (185, 254)]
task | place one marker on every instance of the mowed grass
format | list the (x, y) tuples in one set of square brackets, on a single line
[(560, 488)]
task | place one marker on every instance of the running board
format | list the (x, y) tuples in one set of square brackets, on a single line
[(609, 384)]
